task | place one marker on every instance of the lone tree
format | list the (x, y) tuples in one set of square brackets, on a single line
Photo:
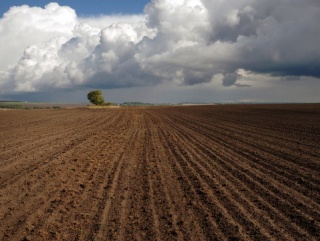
[(96, 97)]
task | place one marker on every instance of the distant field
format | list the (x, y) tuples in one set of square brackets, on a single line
[(220, 172), (36, 105)]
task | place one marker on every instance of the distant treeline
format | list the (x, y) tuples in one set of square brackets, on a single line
[(136, 104), (23, 106)]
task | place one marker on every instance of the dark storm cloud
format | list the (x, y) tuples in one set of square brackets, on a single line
[(229, 79), (275, 37)]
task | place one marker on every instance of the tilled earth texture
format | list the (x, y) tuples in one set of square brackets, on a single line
[(220, 172)]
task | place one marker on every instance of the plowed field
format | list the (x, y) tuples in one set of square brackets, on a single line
[(242, 172)]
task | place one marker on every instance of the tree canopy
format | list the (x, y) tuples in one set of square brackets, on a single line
[(96, 97)]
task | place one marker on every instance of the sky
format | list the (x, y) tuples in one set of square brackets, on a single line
[(85, 8), (160, 51)]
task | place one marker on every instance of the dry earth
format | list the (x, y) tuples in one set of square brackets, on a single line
[(248, 172)]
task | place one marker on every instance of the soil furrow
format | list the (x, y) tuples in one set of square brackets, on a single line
[(112, 190), (244, 172), (220, 172), (264, 162), (230, 204)]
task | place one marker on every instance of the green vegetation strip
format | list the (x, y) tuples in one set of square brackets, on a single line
[(24, 106)]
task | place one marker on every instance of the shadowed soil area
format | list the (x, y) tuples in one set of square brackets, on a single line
[(220, 172)]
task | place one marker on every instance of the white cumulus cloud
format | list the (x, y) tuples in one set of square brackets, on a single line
[(188, 42)]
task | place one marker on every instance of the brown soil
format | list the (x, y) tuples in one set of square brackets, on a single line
[(248, 172)]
